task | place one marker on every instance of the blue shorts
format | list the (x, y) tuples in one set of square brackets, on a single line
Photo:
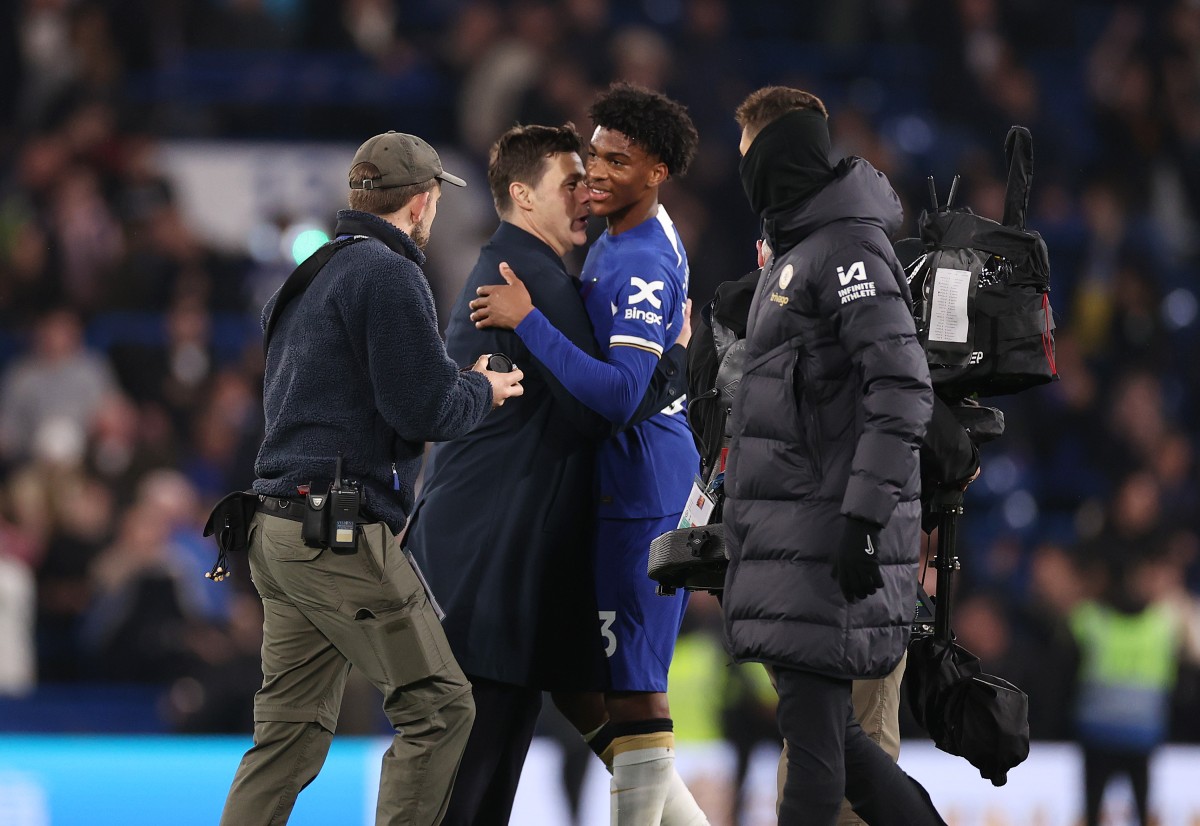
[(637, 626)]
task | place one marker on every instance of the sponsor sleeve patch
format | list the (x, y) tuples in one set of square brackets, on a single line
[(854, 283)]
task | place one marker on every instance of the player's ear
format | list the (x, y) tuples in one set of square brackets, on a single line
[(658, 174), (521, 194)]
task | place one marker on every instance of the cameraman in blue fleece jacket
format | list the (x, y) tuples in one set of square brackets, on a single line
[(356, 368)]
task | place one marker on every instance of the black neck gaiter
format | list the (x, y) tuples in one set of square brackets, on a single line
[(787, 163)]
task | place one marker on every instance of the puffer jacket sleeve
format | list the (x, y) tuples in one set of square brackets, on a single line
[(860, 288)]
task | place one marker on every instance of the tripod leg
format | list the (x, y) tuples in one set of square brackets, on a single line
[(949, 507)]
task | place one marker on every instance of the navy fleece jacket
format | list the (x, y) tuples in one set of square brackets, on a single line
[(357, 365)]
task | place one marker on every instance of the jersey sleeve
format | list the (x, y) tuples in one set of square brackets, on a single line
[(645, 306), (857, 290), (646, 300), (612, 388)]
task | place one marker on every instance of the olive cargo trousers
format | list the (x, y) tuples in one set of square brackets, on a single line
[(323, 613)]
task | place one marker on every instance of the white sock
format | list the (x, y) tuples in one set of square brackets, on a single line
[(680, 808), (640, 782)]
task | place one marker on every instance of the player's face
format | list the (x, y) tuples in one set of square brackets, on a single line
[(622, 177), (560, 203)]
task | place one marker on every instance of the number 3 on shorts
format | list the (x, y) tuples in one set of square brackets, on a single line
[(607, 618)]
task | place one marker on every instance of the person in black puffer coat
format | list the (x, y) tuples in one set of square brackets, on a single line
[(822, 509)]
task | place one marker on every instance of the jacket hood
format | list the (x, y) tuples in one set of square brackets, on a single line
[(858, 191)]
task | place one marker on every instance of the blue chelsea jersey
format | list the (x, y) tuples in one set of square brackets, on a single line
[(635, 288)]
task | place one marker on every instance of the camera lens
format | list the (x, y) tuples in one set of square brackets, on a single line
[(500, 363)]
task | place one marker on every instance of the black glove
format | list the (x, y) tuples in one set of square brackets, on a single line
[(855, 566)]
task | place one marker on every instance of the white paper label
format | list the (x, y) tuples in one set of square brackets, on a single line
[(948, 306), (699, 508)]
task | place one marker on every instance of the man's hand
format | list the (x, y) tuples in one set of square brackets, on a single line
[(855, 565), (685, 332), (502, 305), (504, 385)]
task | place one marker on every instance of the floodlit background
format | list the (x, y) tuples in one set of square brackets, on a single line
[(164, 163)]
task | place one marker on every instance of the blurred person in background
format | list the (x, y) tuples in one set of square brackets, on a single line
[(83, 513), (126, 442), (698, 690), (172, 494), (61, 517), (176, 373), (1132, 632), (61, 379), (358, 372), (216, 694), (490, 95), (18, 613), (748, 722), (89, 239), (1049, 657), (219, 432), (136, 626), (1128, 661)]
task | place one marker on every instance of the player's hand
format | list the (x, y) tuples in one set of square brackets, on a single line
[(502, 305), (504, 385), (855, 564), (685, 333)]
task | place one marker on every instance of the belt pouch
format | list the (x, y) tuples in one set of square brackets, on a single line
[(314, 530), (229, 522)]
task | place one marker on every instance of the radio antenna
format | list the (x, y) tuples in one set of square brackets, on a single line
[(953, 190)]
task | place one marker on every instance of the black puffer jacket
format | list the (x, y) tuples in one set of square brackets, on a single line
[(827, 423)]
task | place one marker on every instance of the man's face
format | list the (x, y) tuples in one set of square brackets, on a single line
[(560, 203), (421, 229), (620, 173)]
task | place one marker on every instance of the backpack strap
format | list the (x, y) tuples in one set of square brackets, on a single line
[(300, 278)]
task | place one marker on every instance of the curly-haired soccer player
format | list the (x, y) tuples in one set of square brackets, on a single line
[(635, 291)]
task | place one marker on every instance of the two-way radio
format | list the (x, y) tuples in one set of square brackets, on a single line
[(331, 517), (345, 500)]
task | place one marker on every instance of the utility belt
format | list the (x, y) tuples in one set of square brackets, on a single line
[(326, 524), (329, 516)]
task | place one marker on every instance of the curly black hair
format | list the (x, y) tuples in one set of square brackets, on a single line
[(652, 120)]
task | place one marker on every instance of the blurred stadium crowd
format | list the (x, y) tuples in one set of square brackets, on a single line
[(130, 397)]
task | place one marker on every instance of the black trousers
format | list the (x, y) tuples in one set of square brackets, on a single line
[(830, 757), (1101, 765), (491, 765)]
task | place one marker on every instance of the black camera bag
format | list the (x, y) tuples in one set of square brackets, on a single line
[(1007, 342)]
